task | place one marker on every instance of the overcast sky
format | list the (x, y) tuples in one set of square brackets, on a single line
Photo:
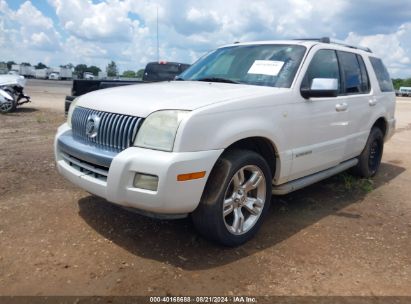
[(94, 32)]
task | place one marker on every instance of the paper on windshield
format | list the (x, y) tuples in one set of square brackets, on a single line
[(266, 67)]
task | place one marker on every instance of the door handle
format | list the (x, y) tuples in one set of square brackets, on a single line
[(340, 107), (372, 102)]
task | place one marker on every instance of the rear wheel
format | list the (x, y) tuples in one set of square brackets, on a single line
[(236, 198), (370, 159)]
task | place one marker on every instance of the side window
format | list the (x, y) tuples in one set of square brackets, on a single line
[(352, 80), (365, 81), (323, 65), (383, 77)]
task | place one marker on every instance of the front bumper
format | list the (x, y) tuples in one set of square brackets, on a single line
[(171, 197)]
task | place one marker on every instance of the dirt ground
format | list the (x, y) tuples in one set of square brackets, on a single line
[(342, 236)]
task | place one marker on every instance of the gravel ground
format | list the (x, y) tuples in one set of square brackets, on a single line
[(342, 236)]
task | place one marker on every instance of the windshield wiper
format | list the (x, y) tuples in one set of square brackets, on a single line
[(179, 79), (216, 79)]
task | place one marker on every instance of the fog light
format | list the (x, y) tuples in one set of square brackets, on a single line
[(146, 181)]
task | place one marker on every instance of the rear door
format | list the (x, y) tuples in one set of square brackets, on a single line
[(356, 94)]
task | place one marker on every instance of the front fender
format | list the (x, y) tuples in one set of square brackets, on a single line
[(220, 130)]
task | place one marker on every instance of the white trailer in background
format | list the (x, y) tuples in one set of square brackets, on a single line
[(27, 71), (23, 70), (16, 68), (66, 73), (102, 75), (41, 73)]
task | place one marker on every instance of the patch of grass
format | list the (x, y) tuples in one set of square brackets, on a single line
[(366, 185), (40, 118), (354, 183)]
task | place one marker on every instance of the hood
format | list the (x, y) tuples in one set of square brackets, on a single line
[(143, 99), (12, 80)]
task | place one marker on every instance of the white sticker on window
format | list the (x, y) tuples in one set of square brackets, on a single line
[(266, 67)]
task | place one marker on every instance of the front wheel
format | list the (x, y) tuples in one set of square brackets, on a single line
[(7, 105), (236, 198)]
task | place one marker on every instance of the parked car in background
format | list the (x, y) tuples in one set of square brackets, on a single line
[(244, 122), (11, 91), (154, 72), (404, 92)]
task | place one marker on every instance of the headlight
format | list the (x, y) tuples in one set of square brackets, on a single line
[(73, 105), (159, 130)]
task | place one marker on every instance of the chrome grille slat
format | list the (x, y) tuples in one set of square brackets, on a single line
[(127, 126), (115, 128), (116, 131), (121, 130)]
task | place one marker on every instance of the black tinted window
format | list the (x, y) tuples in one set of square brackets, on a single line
[(383, 77), (161, 71), (351, 72), (365, 81), (323, 65)]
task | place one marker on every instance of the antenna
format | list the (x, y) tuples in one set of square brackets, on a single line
[(158, 44)]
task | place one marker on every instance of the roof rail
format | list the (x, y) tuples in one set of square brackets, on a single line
[(339, 42)]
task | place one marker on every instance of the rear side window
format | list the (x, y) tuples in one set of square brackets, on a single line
[(323, 65), (365, 81), (355, 79), (383, 77)]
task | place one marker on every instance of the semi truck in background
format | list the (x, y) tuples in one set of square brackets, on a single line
[(42, 73), (27, 71), (63, 73)]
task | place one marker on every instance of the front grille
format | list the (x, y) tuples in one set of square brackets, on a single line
[(87, 168), (115, 132)]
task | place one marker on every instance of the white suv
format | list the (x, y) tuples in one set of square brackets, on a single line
[(245, 121)]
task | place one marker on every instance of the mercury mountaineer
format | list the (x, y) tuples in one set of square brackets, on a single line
[(246, 121)]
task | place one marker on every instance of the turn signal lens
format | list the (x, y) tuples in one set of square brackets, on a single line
[(190, 176)]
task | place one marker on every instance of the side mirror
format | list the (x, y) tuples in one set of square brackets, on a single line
[(321, 87)]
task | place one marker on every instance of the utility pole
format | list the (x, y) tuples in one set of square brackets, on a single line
[(158, 43)]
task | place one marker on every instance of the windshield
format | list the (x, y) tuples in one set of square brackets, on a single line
[(264, 65)]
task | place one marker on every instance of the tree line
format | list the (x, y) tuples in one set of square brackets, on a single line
[(398, 82), (80, 69)]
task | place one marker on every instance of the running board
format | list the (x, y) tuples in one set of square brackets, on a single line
[(313, 178)]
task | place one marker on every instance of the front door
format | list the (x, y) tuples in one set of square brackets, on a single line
[(319, 124)]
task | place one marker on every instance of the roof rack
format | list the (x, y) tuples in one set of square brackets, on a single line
[(339, 42)]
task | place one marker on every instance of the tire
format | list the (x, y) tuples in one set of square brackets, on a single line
[(370, 158), (9, 107), (14, 95), (236, 198)]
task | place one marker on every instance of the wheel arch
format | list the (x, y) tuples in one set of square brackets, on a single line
[(261, 145), (382, 124)]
